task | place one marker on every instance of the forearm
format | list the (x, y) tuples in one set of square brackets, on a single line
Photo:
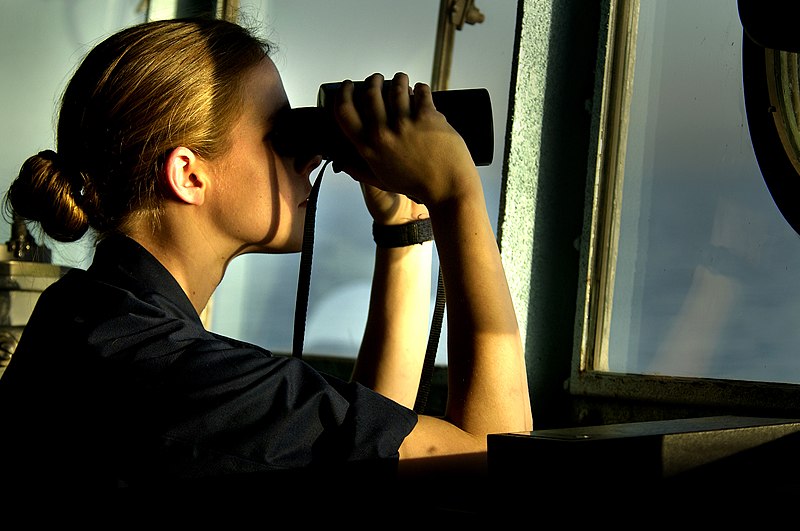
[(395, 337), (487, 382)]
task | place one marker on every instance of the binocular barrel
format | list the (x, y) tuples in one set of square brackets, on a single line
[(308, 131)]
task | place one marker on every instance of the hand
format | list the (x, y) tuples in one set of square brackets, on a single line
[(389, 208), (406, 145)]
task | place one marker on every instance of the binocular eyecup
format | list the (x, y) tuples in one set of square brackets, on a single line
[(310, 131)]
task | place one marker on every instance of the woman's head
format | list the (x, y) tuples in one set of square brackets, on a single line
[(135, 97)]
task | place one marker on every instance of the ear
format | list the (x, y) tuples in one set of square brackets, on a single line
[(185, 176)]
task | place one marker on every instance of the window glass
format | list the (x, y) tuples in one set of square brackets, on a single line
[(706, 273)]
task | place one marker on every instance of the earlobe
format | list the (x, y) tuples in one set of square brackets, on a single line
[(182, 173)]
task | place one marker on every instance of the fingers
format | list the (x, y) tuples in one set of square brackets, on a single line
[(398, 100), (345, 109), (370, 107), (361, 111), (372, 99), (395, 136), (423, 99)]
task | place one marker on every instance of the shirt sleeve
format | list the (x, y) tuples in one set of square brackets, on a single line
[(227, 407), (116, 382)]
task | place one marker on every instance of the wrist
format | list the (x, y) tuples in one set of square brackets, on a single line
[(414, 232)]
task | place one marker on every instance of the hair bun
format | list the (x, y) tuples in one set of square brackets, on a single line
[(44, 192)]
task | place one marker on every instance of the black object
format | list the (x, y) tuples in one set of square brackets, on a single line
[(305, 131), (663, 468), (771, 23), (770, 27), (414, 232), (775, 163)]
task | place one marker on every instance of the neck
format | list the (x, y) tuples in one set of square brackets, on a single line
[(195, 262)]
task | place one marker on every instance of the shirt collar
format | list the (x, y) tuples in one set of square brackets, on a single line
[(123, 262)]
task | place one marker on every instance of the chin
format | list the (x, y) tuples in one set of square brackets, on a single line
[(287, 248), (273, 248)]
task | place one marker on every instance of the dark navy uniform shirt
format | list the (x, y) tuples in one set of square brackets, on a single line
[(115, 382)]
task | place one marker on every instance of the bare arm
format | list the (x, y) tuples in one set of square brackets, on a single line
[(393, 348), (395, 337), (487, 382), (414, 151)]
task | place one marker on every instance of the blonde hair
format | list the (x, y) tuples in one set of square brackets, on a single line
[(137, 95)]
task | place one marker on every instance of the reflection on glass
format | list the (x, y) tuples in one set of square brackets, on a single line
[(706, 281)]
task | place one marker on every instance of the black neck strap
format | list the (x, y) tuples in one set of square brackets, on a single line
[(304, 283)]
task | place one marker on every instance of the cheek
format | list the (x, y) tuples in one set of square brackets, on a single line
[(288, 200), (248, 194), (261, 182), (289, 184), (277, 204)]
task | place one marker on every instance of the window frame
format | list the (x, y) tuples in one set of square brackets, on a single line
[(596, 396)]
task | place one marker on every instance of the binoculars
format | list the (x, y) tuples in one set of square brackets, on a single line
[(308, 131)]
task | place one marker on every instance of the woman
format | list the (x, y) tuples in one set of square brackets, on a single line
[(165, 152)]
